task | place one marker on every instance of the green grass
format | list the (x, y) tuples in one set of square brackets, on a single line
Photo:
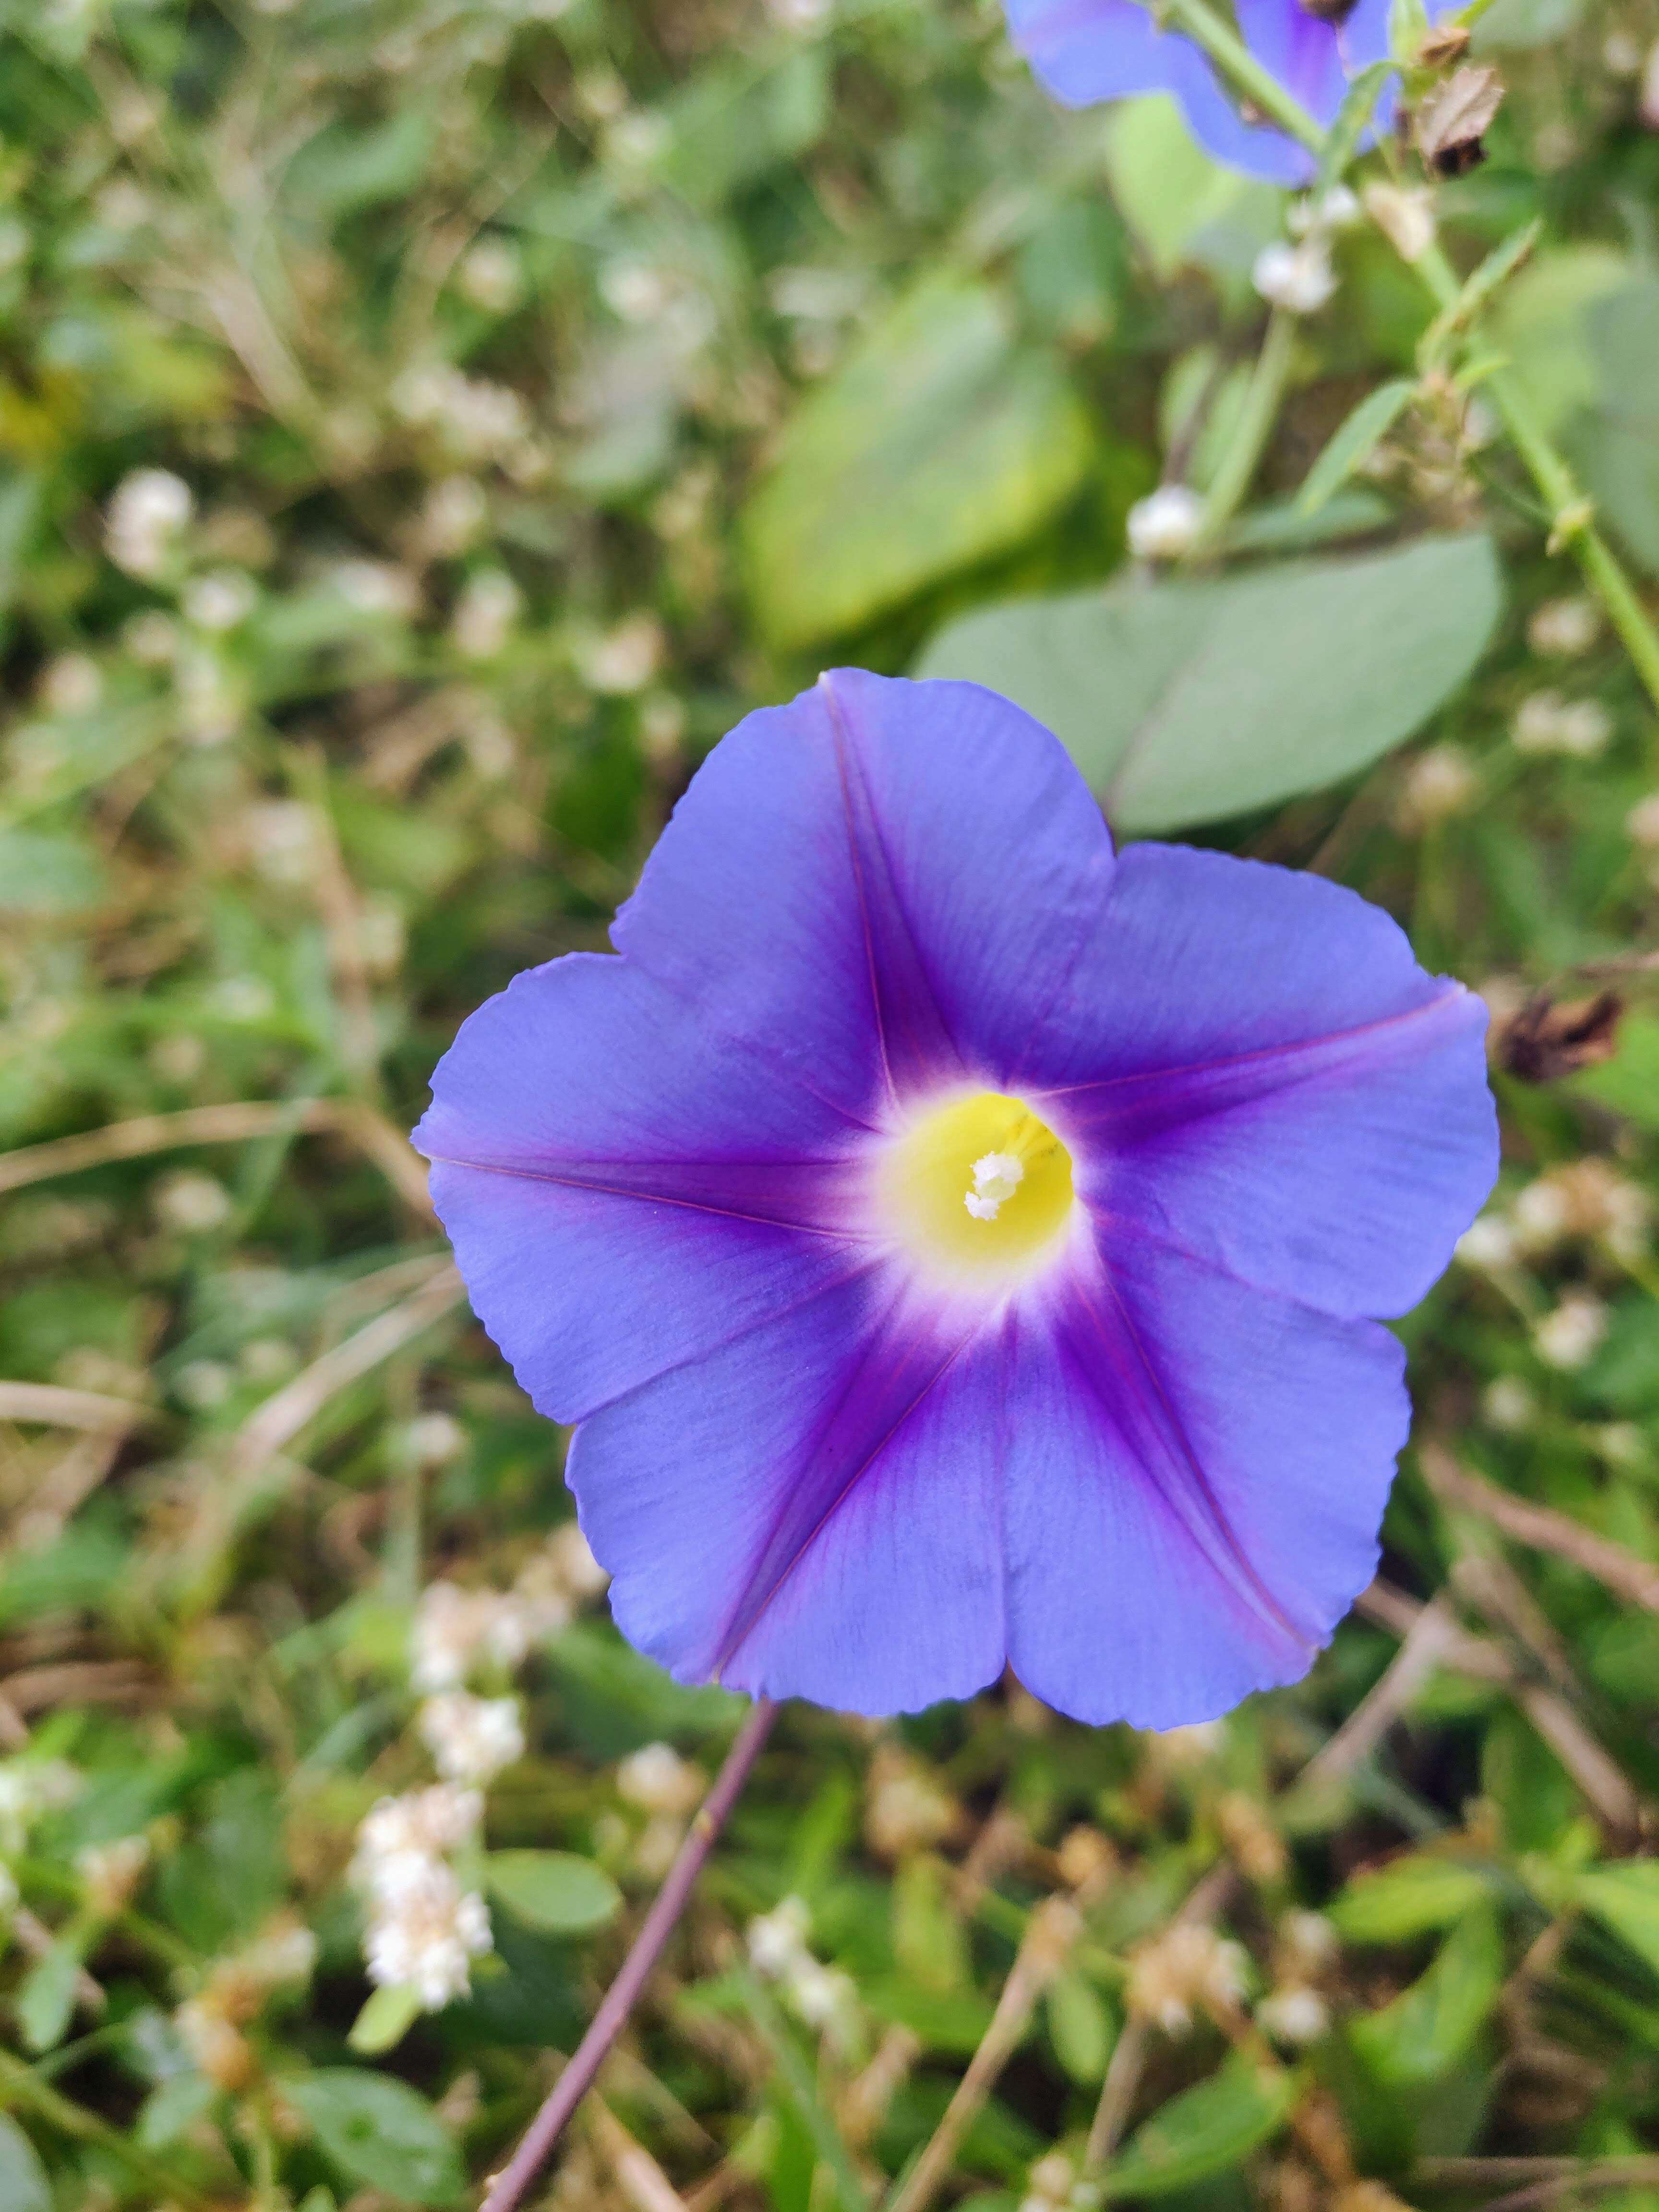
[(470, 329)]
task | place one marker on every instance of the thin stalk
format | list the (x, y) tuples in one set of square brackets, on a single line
[(1570, 512), (507, 2189), (1252, 430), (1234, 58)]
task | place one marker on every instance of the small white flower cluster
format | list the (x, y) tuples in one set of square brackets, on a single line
[(618, 662), (30, 1788), (906, 1807), (210, 2023), (147, 515), (1295, 2011), (475, 419), (471, 1739), (424, 1925), (1544, 722), (1584, 1201), (1565, 629), (1572, 1333), (669, 1790), (484, 614), (1187, 1969), (221, 601), (424, 1930), (821, 1996), (111, 1872), (1297, 274), (458, 1632), (1438, 784), (1049, 2184)]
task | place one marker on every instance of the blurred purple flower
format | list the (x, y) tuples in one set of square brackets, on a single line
[(1086, 51), (957, 1242)]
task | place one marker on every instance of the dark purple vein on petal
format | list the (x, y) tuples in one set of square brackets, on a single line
[(1198, 1510), (648, 1196), (1267, 1056), (839, 1281), (915, 1038), (787, 1547)]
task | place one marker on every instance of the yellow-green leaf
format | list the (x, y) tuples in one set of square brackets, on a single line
[(942, 440)]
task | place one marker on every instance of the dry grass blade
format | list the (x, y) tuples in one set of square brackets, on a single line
[(288, 1410), (224, 1125), (58, 1408), (1053, 1927), (1543, 1529), (1600, 1777), (640, 2180), (1428, 1641)]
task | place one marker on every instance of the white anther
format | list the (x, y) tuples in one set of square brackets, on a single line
[(996, 1177)]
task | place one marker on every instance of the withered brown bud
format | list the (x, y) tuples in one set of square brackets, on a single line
[(1547, 1040), (1452, 121), (1446, 43)]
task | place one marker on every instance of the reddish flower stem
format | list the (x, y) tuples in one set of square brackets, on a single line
[(508, 2188)]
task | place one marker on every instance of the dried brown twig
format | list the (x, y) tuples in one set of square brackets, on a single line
[(1542, 1529), (1050, 1934), (224, 1125)]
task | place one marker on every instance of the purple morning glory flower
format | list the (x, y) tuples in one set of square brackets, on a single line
[(1086, 51), (957, 1243)]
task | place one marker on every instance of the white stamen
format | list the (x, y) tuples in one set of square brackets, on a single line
[(996, 1177)]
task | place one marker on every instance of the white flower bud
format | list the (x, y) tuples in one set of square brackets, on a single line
[(1405, 216), (1570, 1335), (1297, 278), (1164, 525)]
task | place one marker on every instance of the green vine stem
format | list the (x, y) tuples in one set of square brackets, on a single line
[(1572, 516), (1250, 433)]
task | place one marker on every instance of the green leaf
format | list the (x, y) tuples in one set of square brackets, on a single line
[(739, 119), (344, 168), (48, 873), (1512, 24), (23, 2184), (1617, 446), (170, 2107), (1342, 140), (557, 1891), (1540, 323), (384, 2021), (1078, 2027), (1626, 1897), (796, 2080), (1482, 281), (1628, 1083), (46, 2003), (1428, 2028), (379, 2132), (1354, 443), (940, 441), (1410, 1897), (1203, 2131), (1184, 702), (1182, 206)]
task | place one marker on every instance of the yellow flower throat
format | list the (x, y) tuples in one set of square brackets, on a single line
[(979, 1187)]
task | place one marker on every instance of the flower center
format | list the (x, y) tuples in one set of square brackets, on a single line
[(979, 1189)]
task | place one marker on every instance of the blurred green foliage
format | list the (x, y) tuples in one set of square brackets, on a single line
[(425, 426)]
